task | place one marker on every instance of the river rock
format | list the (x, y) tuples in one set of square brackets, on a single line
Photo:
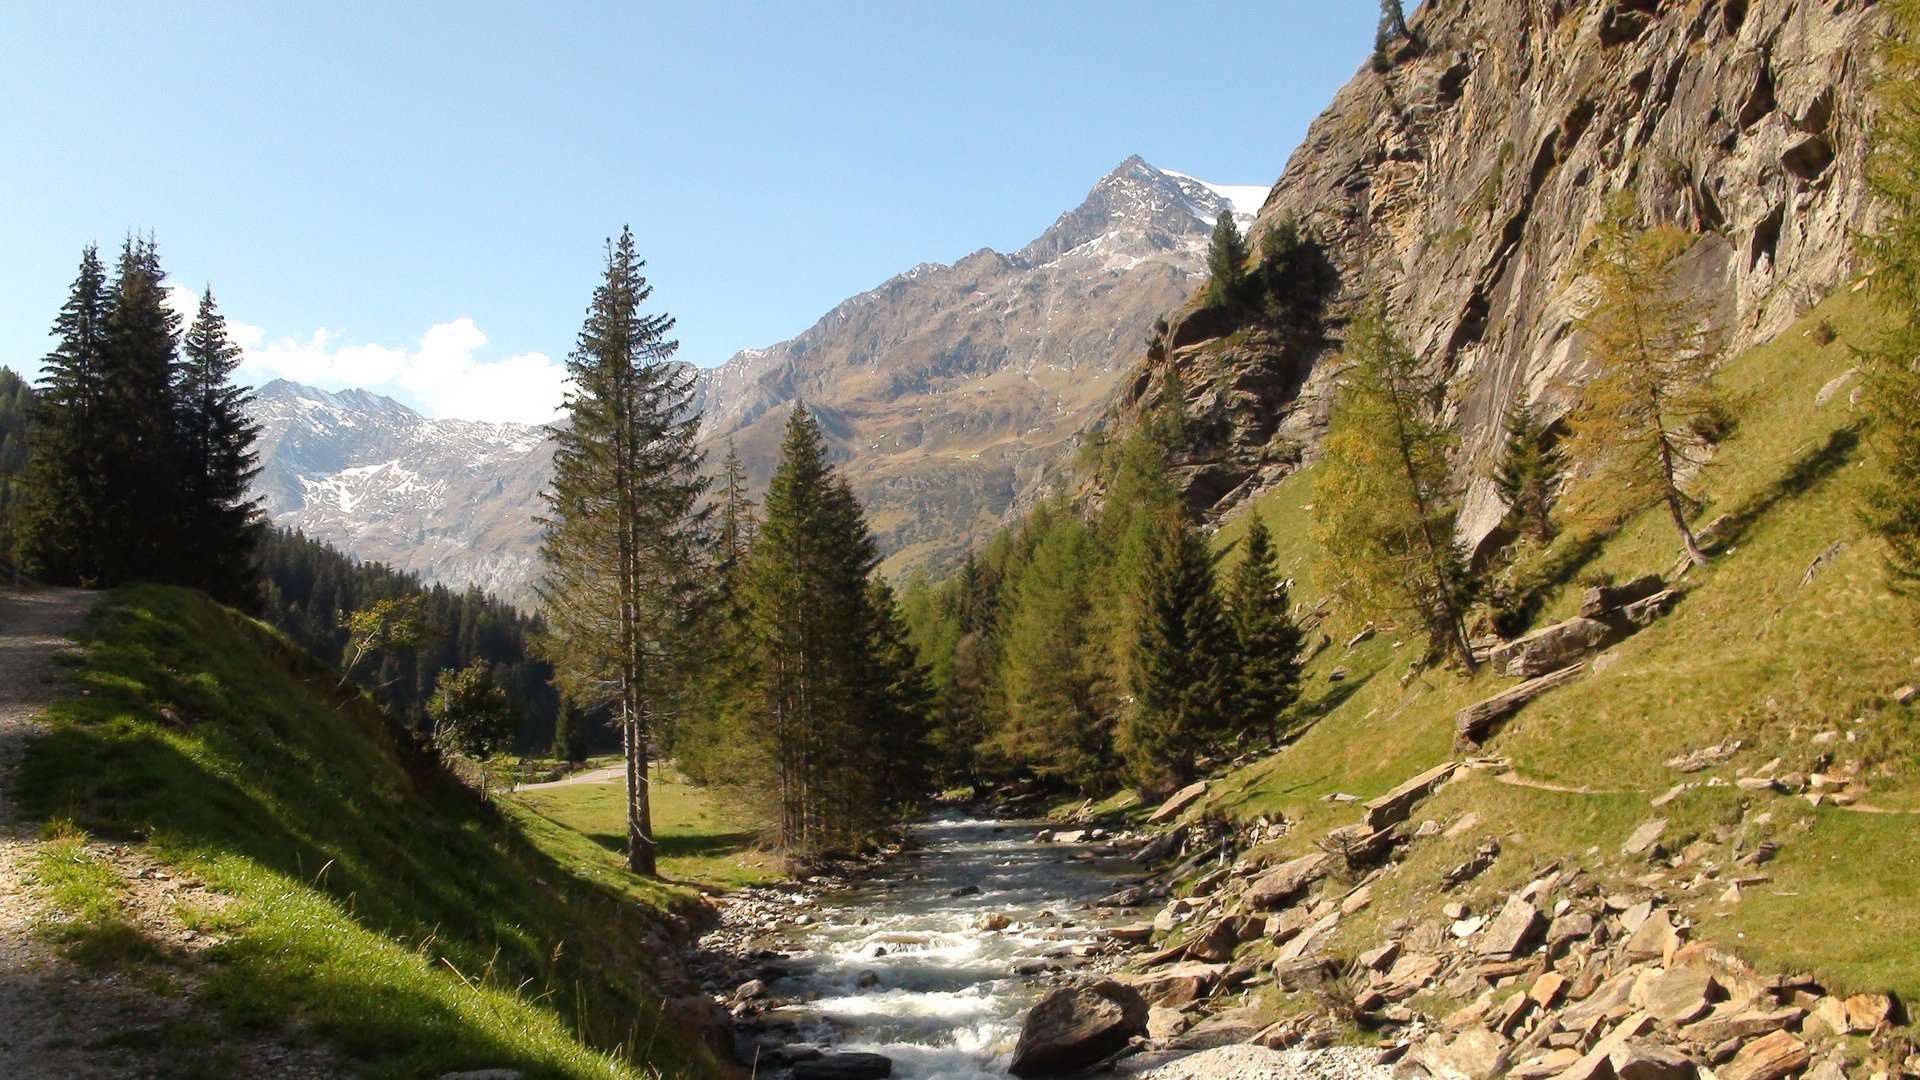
[(994, 920), (1164, 1023), (848, 1065), (1174, 985), (1074, 1027), (1284, 882), (1163, 846)]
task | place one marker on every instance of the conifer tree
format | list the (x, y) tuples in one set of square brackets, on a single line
[(1893, 352), (1385, 501), (1267, 640), (1638, 419), (1393, 26), (142, 504), (1226, 263), (16, 402), (221, 526), (62, 506), (570, 733), (1184, 677), (1526, 474), (623, 545)]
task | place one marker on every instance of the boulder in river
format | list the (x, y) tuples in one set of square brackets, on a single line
[(1076, 1026), (844, 1066)]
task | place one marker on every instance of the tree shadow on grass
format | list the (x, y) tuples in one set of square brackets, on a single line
[(699, 845), (1802, 474)]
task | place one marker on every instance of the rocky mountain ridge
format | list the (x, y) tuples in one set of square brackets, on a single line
[(1458, 183), (946, 393)]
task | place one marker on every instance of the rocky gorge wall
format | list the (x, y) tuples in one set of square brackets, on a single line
[(1458, 183)]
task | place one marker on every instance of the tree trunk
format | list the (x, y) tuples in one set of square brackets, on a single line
[(640, 848)]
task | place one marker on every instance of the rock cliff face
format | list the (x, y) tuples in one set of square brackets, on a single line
[(948, 392), (1458, 184)]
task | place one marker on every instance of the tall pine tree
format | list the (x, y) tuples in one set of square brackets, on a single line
[(220, 527), (1267, 639), (62, 512), (624, 546), (142, 496)]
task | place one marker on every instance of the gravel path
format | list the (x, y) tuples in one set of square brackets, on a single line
[(59, 1020)]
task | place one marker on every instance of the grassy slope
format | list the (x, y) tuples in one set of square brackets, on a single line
[(701, 838), (378, 906), (1750, 651)]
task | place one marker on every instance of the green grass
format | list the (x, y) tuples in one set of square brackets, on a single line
[(369, 899), (700, 839), (1749, 652)]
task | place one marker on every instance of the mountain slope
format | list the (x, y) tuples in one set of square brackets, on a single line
[(1458, 184), (949, 391), (452, 500)]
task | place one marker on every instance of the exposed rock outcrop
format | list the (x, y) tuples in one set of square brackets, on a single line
[(1458, 183)]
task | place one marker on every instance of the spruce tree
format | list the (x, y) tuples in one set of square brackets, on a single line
[(1184, 677), (1385, 501), (221, 527), (141, 496), (1226, 263), (1526, 474), (623, 545), (16, 403), (1267, 640), (62, 512), (570, 734), (1639, 418)]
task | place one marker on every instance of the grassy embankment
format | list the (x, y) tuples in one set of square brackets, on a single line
[(359, 895), (1758, 649)]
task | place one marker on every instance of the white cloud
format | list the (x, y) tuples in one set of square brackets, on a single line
[(440, 376)]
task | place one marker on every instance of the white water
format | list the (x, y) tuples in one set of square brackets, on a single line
[(947, 1005)]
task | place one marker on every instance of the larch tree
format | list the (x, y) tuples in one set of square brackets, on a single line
[(1385, 502), (624, 546), (1184, 673), (1893, 352), (1639, 420), (62, 511), (1267, 639), (222, 526)]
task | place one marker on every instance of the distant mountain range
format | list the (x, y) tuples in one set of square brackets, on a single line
[(947, 394)]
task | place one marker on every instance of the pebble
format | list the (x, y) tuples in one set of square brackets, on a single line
[(1249, 1062)]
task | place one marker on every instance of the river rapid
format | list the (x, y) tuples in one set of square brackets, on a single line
[(897, 963)]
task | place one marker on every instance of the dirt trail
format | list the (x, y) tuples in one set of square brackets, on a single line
[(60, 1020)]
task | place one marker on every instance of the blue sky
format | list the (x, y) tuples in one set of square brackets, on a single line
[(414, 197)]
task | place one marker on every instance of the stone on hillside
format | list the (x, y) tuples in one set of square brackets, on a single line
[(1380, 957), (1164, 1023), (1179, 801), (1829, 1013), (1573, 926), (1598, 601), (1634, 914), (1472, 723), (1656, 937), (1394, 807), (1512, 1011), (1551, 648), (1283, 926), (1644, 613), (1606, 997), (1645, 839), (1074, 1027), (1412, 971), (1546, 989), (1162, 846), (1769, 1057), (1286, 881), (1217, 1031), (1741, 1023), (1866, 1012), (1217, 942), (1707, 757), (844, 1065), (1906, 694), (1131, 933), (1638, 1060), (1512, 930), (1175, 985), (1681, 995)]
